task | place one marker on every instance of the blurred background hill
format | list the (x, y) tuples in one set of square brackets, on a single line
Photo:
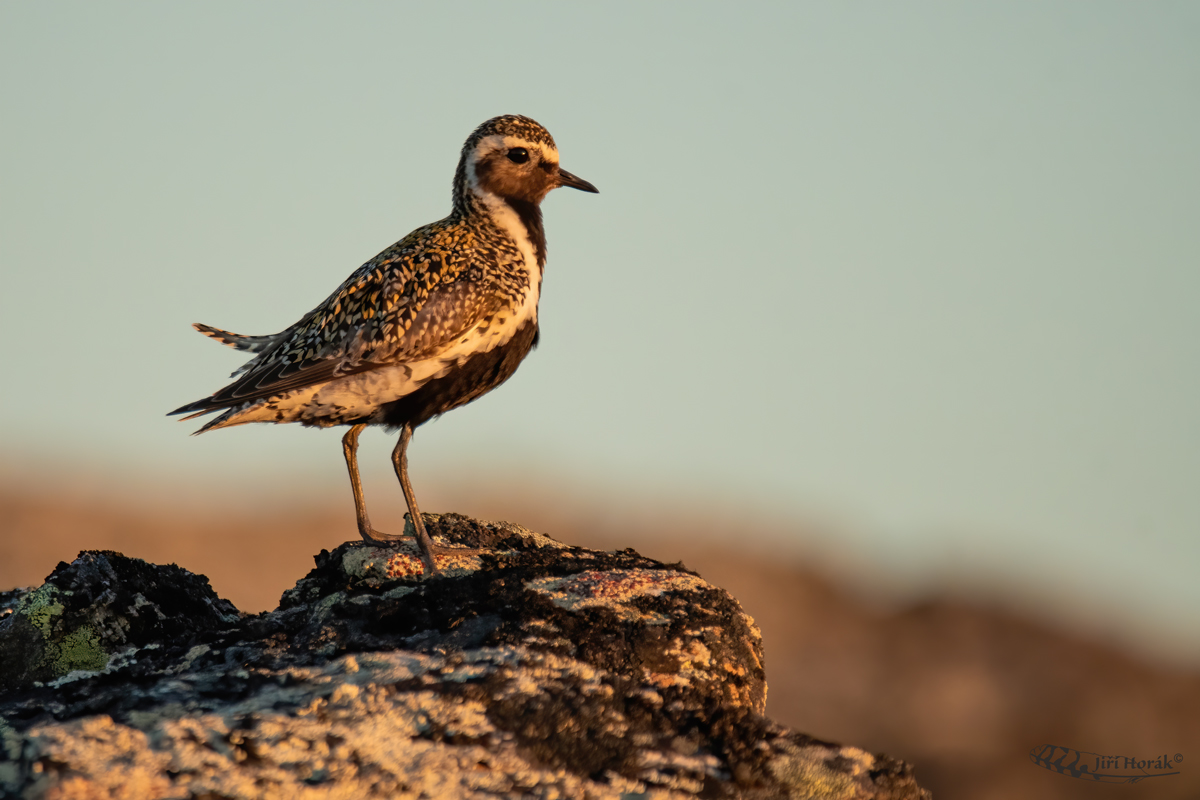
[(961, 683), (885, 318)]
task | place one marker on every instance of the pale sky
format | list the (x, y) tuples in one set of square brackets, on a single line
[(930, 269)]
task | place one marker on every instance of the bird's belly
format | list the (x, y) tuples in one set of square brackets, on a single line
[(358, 396), (469, 380)]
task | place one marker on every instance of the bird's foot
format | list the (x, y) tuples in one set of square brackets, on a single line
[(379, 538)]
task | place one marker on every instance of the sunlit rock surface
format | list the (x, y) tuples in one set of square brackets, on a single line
[(525, 668)]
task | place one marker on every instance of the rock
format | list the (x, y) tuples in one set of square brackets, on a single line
[(97, 608), (526, 668)]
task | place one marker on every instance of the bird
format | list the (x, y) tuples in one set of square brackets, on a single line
[(433, 322)]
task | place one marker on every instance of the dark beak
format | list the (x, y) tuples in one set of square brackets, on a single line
[(567, 179)]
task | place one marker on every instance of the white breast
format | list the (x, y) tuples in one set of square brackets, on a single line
[(507, 220)]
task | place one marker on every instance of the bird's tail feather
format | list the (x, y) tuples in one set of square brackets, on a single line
[(202, 407), (196, 409), (238, 341)]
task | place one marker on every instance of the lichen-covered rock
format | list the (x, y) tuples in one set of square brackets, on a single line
[(101, 606), (526, 668)]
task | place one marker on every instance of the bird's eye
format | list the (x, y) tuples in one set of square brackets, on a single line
[(518, 155)]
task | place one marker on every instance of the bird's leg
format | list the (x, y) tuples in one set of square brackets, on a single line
[(400, 461), (350, 450)]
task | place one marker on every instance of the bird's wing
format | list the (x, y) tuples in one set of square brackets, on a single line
[(404, 305)]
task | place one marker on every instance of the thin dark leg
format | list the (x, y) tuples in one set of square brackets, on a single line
[(350, 450), (400, 461)]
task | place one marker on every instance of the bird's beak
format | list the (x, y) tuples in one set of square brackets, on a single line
[(567, 179)]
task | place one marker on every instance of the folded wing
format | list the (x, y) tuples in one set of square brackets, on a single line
[(389, 312)]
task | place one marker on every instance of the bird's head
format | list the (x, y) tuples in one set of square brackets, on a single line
[(514, 158)]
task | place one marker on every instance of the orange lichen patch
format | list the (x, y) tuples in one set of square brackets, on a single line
[(379, 565), (407, 564), (613, 587), (404, 565)]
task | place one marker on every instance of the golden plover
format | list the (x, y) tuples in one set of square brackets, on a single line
[(433, 322)]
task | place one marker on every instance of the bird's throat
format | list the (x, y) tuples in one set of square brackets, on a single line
[(530, 215)]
